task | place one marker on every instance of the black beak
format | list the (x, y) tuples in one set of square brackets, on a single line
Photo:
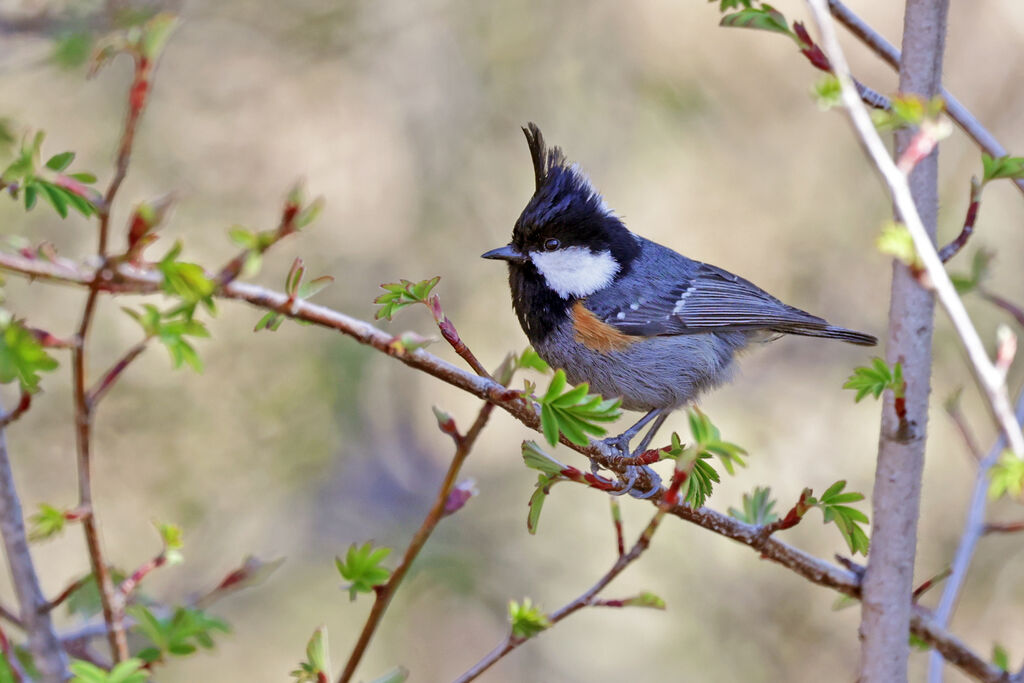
[(506, 253)]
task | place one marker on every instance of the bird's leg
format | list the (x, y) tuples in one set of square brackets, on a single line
[(649, 436), (621, 443)]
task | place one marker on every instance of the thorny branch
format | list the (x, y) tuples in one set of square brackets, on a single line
[(128, 279)]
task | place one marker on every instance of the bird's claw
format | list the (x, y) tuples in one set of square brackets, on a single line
[(654, 477), (632, 473)]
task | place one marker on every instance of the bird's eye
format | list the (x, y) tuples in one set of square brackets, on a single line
[(551, 244)]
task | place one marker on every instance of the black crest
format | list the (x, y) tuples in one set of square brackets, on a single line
[(544, 159)]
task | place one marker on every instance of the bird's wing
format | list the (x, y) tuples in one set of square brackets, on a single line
[(708, 299)]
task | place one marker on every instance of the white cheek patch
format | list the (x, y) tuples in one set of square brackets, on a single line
[(575, 271)]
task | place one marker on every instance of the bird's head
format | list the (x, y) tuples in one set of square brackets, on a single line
[(566, 237)]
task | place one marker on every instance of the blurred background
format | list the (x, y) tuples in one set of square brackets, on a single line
[(405, 117)]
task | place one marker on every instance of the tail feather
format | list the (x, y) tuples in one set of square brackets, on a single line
[(831, 332)]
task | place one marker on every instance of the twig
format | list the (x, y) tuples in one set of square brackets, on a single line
[(135, 280), (620, 541), (43, 642), (138, 94), (128, 586), (384, 594), (974, 529), (1002, 527), (24, 403), (66, 593), (891, 56), (83, 434), (512, 641), (957, 415), (100, 389), (958, 243), (930, 583), (1016, 311), (8, 615)]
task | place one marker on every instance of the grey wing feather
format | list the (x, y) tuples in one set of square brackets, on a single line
[(704, 298)]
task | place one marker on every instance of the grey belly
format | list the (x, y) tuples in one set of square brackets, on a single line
[(659, 372)]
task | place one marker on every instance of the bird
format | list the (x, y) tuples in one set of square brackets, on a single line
[(632, 318)]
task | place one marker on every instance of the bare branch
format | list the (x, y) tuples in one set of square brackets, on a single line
[(96, 394), (24, 403)]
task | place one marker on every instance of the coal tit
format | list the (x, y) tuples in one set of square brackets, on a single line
[(630, 317)]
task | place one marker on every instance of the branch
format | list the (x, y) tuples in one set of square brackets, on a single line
[(974, 529), (384, 594), (1003, 303), (24, 403), (46, 649), (127, 279), (960, 241), (100, 389), (891, 56), (513, 641)]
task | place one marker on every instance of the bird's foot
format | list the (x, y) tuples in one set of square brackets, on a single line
[(632, 473)]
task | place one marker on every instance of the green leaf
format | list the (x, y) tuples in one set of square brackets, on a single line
[(828, 93), (55, 196), (187, 281), (397, 675), (58, 162), (84, 601), (22, 357), (1006, 478), (536, 503), (155, 33), (180, 634), (847, 519), (31, 193), (361, 567), (766, 18), (574, 413), (46, 523), (1001, 167), (907, 111), (700, 482), (758, 507), (530, 359), (527, 619), (1000, 657), (404, 293), (875, 379), (314, 287), (270, 321), (72, 48), (709, 442), (537, 459), (128, 671), (895, 241), (645, 599)]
